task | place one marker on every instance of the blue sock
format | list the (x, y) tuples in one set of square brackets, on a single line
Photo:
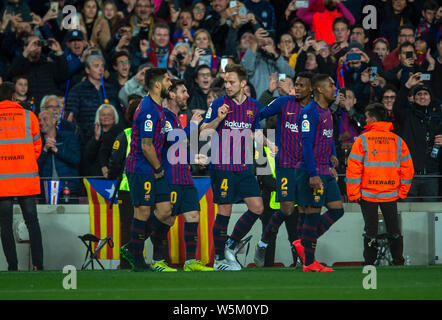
[(159, 241), (242, 227), (137, 237), (273, 225), (328, 219), (220, 235), (309, 236), (191, 239)]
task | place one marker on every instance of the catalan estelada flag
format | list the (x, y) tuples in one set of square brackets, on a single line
[(103, 220), (205, 251)]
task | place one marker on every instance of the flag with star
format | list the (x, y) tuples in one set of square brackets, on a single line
[(104, 221), (205, 251)]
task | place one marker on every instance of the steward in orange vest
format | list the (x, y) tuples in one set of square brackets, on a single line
[(20, 146), (379, 171), (380, 168)]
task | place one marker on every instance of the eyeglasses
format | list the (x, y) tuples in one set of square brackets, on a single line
[(200, 9)]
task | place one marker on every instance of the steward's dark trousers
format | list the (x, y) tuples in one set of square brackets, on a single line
[(389, 211), (29, 210)]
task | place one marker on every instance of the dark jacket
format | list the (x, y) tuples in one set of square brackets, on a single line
[(96, 154), (198, 99), (117, 160), (391, 23), (67, 160), (418, 127), (218, 31), (84, 100), (44, 77)]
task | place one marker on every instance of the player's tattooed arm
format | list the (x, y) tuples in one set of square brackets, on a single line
[(150, 153)]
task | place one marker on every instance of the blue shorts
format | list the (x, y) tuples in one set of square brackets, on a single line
[(285, 184), (233, 186), (184, 198), (145, 190), (307, 197)]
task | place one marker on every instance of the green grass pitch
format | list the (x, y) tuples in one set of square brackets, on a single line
[(412, 282)]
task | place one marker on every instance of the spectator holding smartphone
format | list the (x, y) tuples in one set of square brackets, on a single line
[(204, 50), (421, 130), (261, 60)]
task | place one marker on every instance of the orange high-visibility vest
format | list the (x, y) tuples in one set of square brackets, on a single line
[(20, 147), (379, 167)]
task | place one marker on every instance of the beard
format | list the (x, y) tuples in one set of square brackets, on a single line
[(235, 95), (164, 93), (182, 106)]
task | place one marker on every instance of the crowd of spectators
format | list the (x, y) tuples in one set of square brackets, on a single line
[(78, 74)]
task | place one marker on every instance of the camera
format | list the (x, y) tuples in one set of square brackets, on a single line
[(180, 56), (351, 56), (43, 43)]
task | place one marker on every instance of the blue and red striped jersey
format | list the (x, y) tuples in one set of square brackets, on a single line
[(149, 122), (288, 135), (316, 126), (175, 159), (232, 149)]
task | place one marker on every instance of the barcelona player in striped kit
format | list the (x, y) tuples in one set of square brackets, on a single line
[(148, 186), (183, 194), (233, 117), (316, 183), (288, 141)]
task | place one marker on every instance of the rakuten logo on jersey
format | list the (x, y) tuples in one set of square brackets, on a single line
[(328, 133), (292, 127), (237, 125)]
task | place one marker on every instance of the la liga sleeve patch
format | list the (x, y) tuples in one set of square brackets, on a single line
[(305, 126)]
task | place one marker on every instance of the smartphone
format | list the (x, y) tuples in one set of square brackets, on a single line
[(373, 72), (43, 43), (54, 7), (224, 62), (76, 22), (301, 4), (243, 11), (232, 3), (342, 91), (425, 76), (408, 54), (353, 56), (281, 76)]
